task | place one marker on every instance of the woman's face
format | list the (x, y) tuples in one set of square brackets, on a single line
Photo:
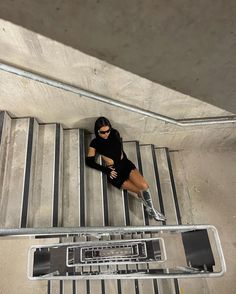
[(104, 132)]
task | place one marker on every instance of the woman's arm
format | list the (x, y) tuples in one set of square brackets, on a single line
[(90, 161)]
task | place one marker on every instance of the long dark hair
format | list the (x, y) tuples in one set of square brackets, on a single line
[(101, 122)]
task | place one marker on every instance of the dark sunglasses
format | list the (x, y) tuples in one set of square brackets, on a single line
[(104, 132)]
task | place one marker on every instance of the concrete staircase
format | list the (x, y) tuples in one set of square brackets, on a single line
[(44, 183)]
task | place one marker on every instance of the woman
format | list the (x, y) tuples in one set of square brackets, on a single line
[(121, 172)]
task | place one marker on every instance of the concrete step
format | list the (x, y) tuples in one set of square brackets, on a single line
[(5, 135), (15, 176), (136, 209), (46, 191), (80, 287), (151, 172), (112, 286), (45, 209), (71, 179), (96, 203), (136, 216), (93, 194), (166, 186), (167, 286), (54, 287), (116, 208), (170, 204)]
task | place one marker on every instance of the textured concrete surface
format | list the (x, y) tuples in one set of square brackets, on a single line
[(23, 97), (185, 45), (41, 206), (11, 196), (93, 188), (71, 179), (206, 188), (16, 268), (192, 52)]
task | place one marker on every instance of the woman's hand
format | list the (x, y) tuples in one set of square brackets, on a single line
[(113, 173)]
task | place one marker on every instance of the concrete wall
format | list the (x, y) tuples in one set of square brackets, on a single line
[(186, 45), (22, 97)]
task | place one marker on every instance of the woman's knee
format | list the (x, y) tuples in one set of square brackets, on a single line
[(143, 185), (138, 180), (127, 185)]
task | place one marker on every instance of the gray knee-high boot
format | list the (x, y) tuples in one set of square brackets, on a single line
[(147, 201)]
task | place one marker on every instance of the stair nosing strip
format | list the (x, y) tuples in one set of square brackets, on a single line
[(136, 286), (56, 177), (82, 177), (105, 200), (176, 283), (61, 287), (155, 286), (87, 286), (25, 198), (119, 286), (74, 287), (103, 290), (126, 206), (49, 287), (2, 115)]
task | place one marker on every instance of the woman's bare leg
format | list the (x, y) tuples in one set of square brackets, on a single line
[(128, 185), (136, 183), (138, 180), (140, 183)]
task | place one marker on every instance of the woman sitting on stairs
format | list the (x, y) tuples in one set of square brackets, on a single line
[(121, 172)]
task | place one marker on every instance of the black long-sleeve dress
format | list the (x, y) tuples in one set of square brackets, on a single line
[(113, 149)]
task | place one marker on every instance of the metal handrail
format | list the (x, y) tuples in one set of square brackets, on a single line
[(76, 90), (97, 232)]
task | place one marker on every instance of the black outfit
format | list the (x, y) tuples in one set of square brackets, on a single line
[(113, 149)]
